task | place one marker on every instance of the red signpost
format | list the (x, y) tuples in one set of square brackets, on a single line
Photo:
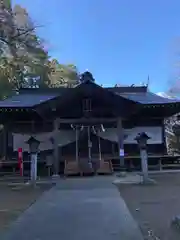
[(20, 161)]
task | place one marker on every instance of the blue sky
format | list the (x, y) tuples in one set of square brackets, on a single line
[(119, 41)]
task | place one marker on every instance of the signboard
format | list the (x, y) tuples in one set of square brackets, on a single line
[(121, 152)]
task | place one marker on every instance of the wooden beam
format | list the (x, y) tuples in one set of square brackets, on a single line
[(87, 120), (76, 120)]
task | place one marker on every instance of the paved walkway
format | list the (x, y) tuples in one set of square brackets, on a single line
[(77, 209)]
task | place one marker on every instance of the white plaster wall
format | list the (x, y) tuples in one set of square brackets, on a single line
[(155, 133), (65, 137), (68, 136)]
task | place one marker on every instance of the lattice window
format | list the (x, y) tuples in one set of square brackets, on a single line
[(87, 105)]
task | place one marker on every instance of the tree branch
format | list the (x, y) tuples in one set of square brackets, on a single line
[(4, 40), (25, 31)]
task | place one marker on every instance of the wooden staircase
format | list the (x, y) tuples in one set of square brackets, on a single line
[(71, 167), (84, 167), (105, 167)]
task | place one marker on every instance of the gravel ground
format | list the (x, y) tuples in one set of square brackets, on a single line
[(154, 206), (15, 199)]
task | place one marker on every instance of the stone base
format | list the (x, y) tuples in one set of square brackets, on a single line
[(55, 177), (176, 222), (122, 174), (128, 179), (148, 181), (31, 183)]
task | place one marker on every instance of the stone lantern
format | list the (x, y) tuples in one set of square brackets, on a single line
[(33, 145), (33, 148), (142, 139)]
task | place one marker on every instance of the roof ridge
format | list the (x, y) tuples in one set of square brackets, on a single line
[(128, 89)]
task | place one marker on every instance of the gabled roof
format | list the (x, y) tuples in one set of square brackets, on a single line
[(31, 97)]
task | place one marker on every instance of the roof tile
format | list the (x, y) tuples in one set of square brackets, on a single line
[(147, 98), (33, 97), (26, 100)]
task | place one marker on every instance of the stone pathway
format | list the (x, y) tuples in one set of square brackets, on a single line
[(78, 209)]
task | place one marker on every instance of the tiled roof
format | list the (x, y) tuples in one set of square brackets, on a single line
[(128, 89), (25, 100), (148, 98), (33, 97), (141, 95)]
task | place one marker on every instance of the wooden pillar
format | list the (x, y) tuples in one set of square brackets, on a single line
[(55, 148), (99, 147), (120, 135), (77, 147), (5, 140), (89, 143), (164, 138)]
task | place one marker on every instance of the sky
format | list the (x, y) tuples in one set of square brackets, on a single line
[(119, 41)]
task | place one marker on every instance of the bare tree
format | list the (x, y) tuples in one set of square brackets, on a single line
[(172, 126)]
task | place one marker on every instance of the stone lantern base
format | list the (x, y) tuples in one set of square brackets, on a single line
[(55, 177), (147, 181), (121, 174)]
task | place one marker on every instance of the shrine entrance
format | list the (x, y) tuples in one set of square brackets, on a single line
[(84, 137), (84, 149), (88, 142), (88, 152)]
